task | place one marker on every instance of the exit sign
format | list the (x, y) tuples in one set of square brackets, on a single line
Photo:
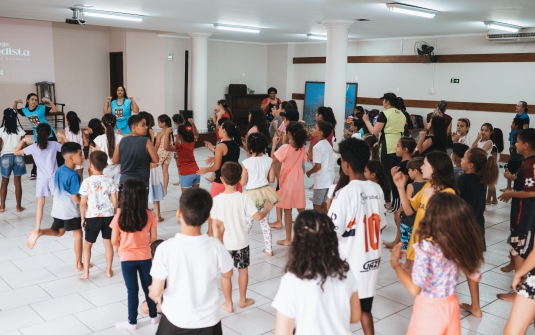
[(454, 81)]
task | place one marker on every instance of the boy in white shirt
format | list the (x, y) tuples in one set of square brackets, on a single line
[(231, 208), (357, 211), (190, 263), (323, 168)]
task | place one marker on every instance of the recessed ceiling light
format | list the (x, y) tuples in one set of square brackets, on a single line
[(362, 20), (242, 29), (411, 10), (112, 15), (317, 37), (502, 26)]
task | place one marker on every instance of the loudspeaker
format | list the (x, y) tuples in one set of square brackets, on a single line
[(237, 89), (187, 114)]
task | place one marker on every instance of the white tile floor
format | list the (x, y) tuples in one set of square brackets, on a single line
[(40, 292)]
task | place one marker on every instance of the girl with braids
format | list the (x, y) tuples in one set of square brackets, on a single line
[(228, 150), (318, 294), (450, 242), (73, 133), (107, 143), (11, 133), (44, 154), (133, 230), (257, 124), (291, 179), (164, 122), (258, 171)]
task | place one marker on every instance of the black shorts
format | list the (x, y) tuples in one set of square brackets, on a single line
[(68, 225), (241, 258), (366, 305), (167, 328), (93, 226), (513, 166)]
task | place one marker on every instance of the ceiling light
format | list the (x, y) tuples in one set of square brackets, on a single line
[(317, 37), (112, 15), (406, 9), (502, 26), (242, 29)]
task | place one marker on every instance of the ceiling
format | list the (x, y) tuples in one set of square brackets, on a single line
[(287, 20)]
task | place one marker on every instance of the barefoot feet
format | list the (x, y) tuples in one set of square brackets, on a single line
[(109, 273), (268, 253), (34, 235), (227, 306), (474, 311), (390, 245), (19, 209), (286, 243), (275, 225), (246, 302)]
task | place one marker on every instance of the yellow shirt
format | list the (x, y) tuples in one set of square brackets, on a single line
[(418, 205)]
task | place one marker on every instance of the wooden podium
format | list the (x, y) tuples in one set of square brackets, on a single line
[(240, 105)]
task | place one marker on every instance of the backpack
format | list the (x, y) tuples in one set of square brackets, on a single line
[(417, 121)]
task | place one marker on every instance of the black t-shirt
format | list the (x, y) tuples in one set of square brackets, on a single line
[(474, 194), (382, 118), (402, 168), (47, 110)]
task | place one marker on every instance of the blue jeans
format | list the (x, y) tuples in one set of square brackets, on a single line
[(130, 271)]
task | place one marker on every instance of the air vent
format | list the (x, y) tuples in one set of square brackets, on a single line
[(518, 37)]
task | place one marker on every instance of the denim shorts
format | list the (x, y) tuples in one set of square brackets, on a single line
[(12, 163), (189, 180)]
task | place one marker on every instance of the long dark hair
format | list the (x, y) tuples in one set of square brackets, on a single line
[(328, 115), (43, 133), (486, 167), (186, 132), (225, 106), (149, 119), (286, 105), (115, 97), (299, 134), (10, 121), (257, 143), (342, 181), (258, 119), (28, 98), (74, 122), (134, 216), (96, 128), (109, 122), (451, 222), (438, 127), (375, 166), (497, 140), (232, 131), (164, 118), (443, 176), (314, 251)]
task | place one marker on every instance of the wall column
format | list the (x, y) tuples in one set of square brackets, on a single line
[(199, 79), (336, 70)]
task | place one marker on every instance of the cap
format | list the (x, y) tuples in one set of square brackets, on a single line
[(460, 149), (388, 97), (292, 115)]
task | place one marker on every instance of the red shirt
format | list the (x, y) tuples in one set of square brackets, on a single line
[(186, 160), (265, 101)]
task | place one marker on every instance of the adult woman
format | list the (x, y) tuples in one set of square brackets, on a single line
[(36, 114), (122, 107), (325, 114), (522, 112), (442, 105), (268, 103), (257, 124), (434, 138)]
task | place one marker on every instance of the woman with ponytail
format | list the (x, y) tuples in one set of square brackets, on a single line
[(107, 143), (73, 133)]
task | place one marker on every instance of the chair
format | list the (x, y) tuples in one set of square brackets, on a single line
[(46, 89)]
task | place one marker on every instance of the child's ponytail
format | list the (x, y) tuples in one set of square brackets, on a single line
[(74, 122), (375, 166), (485, 166), (109, 122), (232, 131), (43, 133)]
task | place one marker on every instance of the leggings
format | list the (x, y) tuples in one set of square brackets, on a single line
[(266, 230)]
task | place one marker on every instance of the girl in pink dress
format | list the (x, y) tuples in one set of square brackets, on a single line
[(291, 179)]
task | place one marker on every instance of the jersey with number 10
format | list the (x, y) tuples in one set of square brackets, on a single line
[(357, 211)]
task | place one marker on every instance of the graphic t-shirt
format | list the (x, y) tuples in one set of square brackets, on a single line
[(357, 211), (122, 113), (66, 184), (98, 190), (323, 154), (521, 208), (44, 159), (36, 117)]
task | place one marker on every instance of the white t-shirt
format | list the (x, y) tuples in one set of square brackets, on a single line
[(257, 171), (231, 209), (98, 190), (358, 211), (326, 312), (465, 140), (191, 264), (102, 142), (10, 141), (323, 154)]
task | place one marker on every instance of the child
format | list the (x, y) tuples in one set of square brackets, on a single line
[(481, 172), (404, 149), (65, 208), (457, 155), (323, 169), (374, 172), (99, 198), (133, 229), (164, 122), (73, 133), (414, 166), (95, 129), (184, 146), (515, 159), (107, 143), (44, 154), (484, 138), (191, 299), (358, 227), (178, 119), (497, 149), (144, 306), (450, 242), (258, 172), (231, 207), (372, 142), (343, 180), (318, 294), (434, 138), (156, 190), (438, 171), (523, 195), (291, 181), (461, 135), (11, 133)]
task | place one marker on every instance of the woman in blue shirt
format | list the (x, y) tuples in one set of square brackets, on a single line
[(36, 114), (522, 112), (122, 107)]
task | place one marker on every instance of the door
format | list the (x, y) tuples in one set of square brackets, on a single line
[(116, 71)]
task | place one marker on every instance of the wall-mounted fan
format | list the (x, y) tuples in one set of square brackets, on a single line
[(422, 49)]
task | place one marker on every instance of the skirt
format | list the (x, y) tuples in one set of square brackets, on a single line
[(262, 194), (156, 192)]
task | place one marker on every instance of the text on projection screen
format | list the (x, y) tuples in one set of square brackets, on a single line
[(26, 51)]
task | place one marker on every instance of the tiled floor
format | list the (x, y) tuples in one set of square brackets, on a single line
[(40, 292)]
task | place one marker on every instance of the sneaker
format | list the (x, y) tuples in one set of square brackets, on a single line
[(33, 177), (155, 320), (125, 325)]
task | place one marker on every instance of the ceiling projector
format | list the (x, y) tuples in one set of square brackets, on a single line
[(75, 16)]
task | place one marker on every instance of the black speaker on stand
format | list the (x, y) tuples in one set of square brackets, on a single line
[(186, 113)]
